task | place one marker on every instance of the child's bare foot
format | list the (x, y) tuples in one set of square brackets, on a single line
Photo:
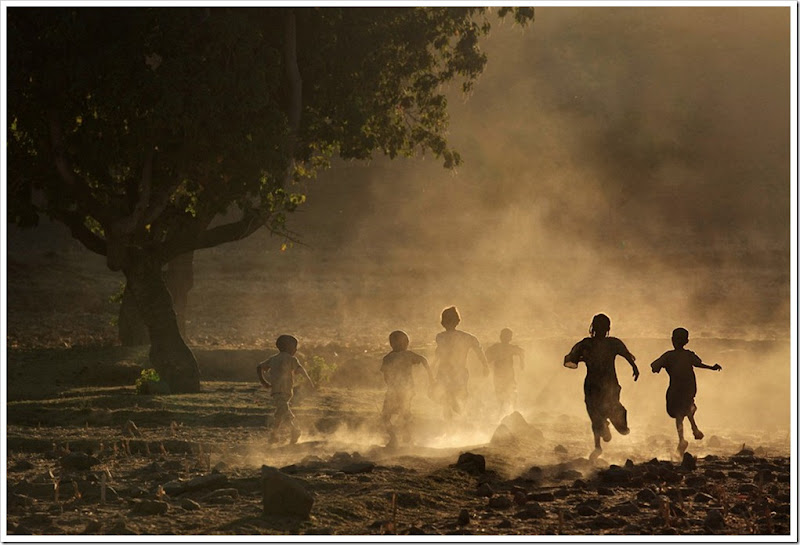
[(697, 434), (682, 446), (295, 436), (606, 433), (595, 454)]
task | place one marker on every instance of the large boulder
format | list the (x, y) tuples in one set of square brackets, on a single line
[(284, 495)]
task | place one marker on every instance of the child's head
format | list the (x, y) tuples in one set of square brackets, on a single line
[(680, 337), (287, 343), (505, 335), (450, 318), (601, 325), (399, 340)]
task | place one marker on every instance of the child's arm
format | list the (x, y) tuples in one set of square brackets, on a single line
[(476, 347), (625, 353), (701, 365), (571, 360), (658, 365), (305, 374), (260, 371)]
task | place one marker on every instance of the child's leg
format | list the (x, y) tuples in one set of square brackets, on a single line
[(682, 443), (695, 430)]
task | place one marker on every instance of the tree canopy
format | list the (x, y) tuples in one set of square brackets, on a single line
[(138, 126), (144, 123)]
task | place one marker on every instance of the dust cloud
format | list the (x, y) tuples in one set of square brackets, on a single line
[(633, 161)]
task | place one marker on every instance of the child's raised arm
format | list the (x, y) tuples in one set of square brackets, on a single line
[(701, 365), (305, 374)]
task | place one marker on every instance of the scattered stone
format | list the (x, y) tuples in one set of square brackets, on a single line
[(629, 463), (585, 510), (406, 499), (615, 474), (473, 464), (737, 475), (710, 458), (149, 507), (500, 502), (568, 474), (503, 436), (284, 495), (219, 467), (520, 498), (92, 527), (463, 517), (646, 495), (78, 461), (120, 527), (22, 465), (129, 429), (689, 462), (626, 509), (695, 481), (542, 496), (221, 493), (560, 449), (189, 504), (517, 424), (580, 484), (714, 519), (484, 489), (714, 474), (603, 522), (747, 488), (669, 476), (533, 473), (745, 451), (505, 523), (212, 480), (531, 510), (703, 498), (358, 467), (603, 491)]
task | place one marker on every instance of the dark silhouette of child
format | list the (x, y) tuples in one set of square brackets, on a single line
[(452, 348), (501, 357), (397, 372), (280, 370), (680, 364), (601, 388)]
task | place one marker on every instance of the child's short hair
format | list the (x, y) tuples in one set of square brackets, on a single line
[(505, 335), (286, 343), (680, 336), (450, 317), (601, 325), (398, 339)]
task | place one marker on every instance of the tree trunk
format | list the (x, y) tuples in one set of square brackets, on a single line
[(132, 330), (180, 279), (169, 355)]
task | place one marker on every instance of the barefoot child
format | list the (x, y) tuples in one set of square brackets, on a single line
[(452, 348), (280, 370), (396, 369), (601, 387), (680, 364), (501, 356)]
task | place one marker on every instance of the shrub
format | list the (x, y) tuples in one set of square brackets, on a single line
[(320, 370), (146, 379)]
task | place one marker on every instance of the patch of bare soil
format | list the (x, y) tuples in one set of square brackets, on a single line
[(103, 460)]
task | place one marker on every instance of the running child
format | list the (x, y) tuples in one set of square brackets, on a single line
[(601, 387), (680, 364), (501, 357), (397, 372), (280, 370)]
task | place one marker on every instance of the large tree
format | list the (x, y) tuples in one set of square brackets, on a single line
[(136, 127)]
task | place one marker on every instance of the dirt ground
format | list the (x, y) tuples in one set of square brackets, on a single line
[(192, 464)]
